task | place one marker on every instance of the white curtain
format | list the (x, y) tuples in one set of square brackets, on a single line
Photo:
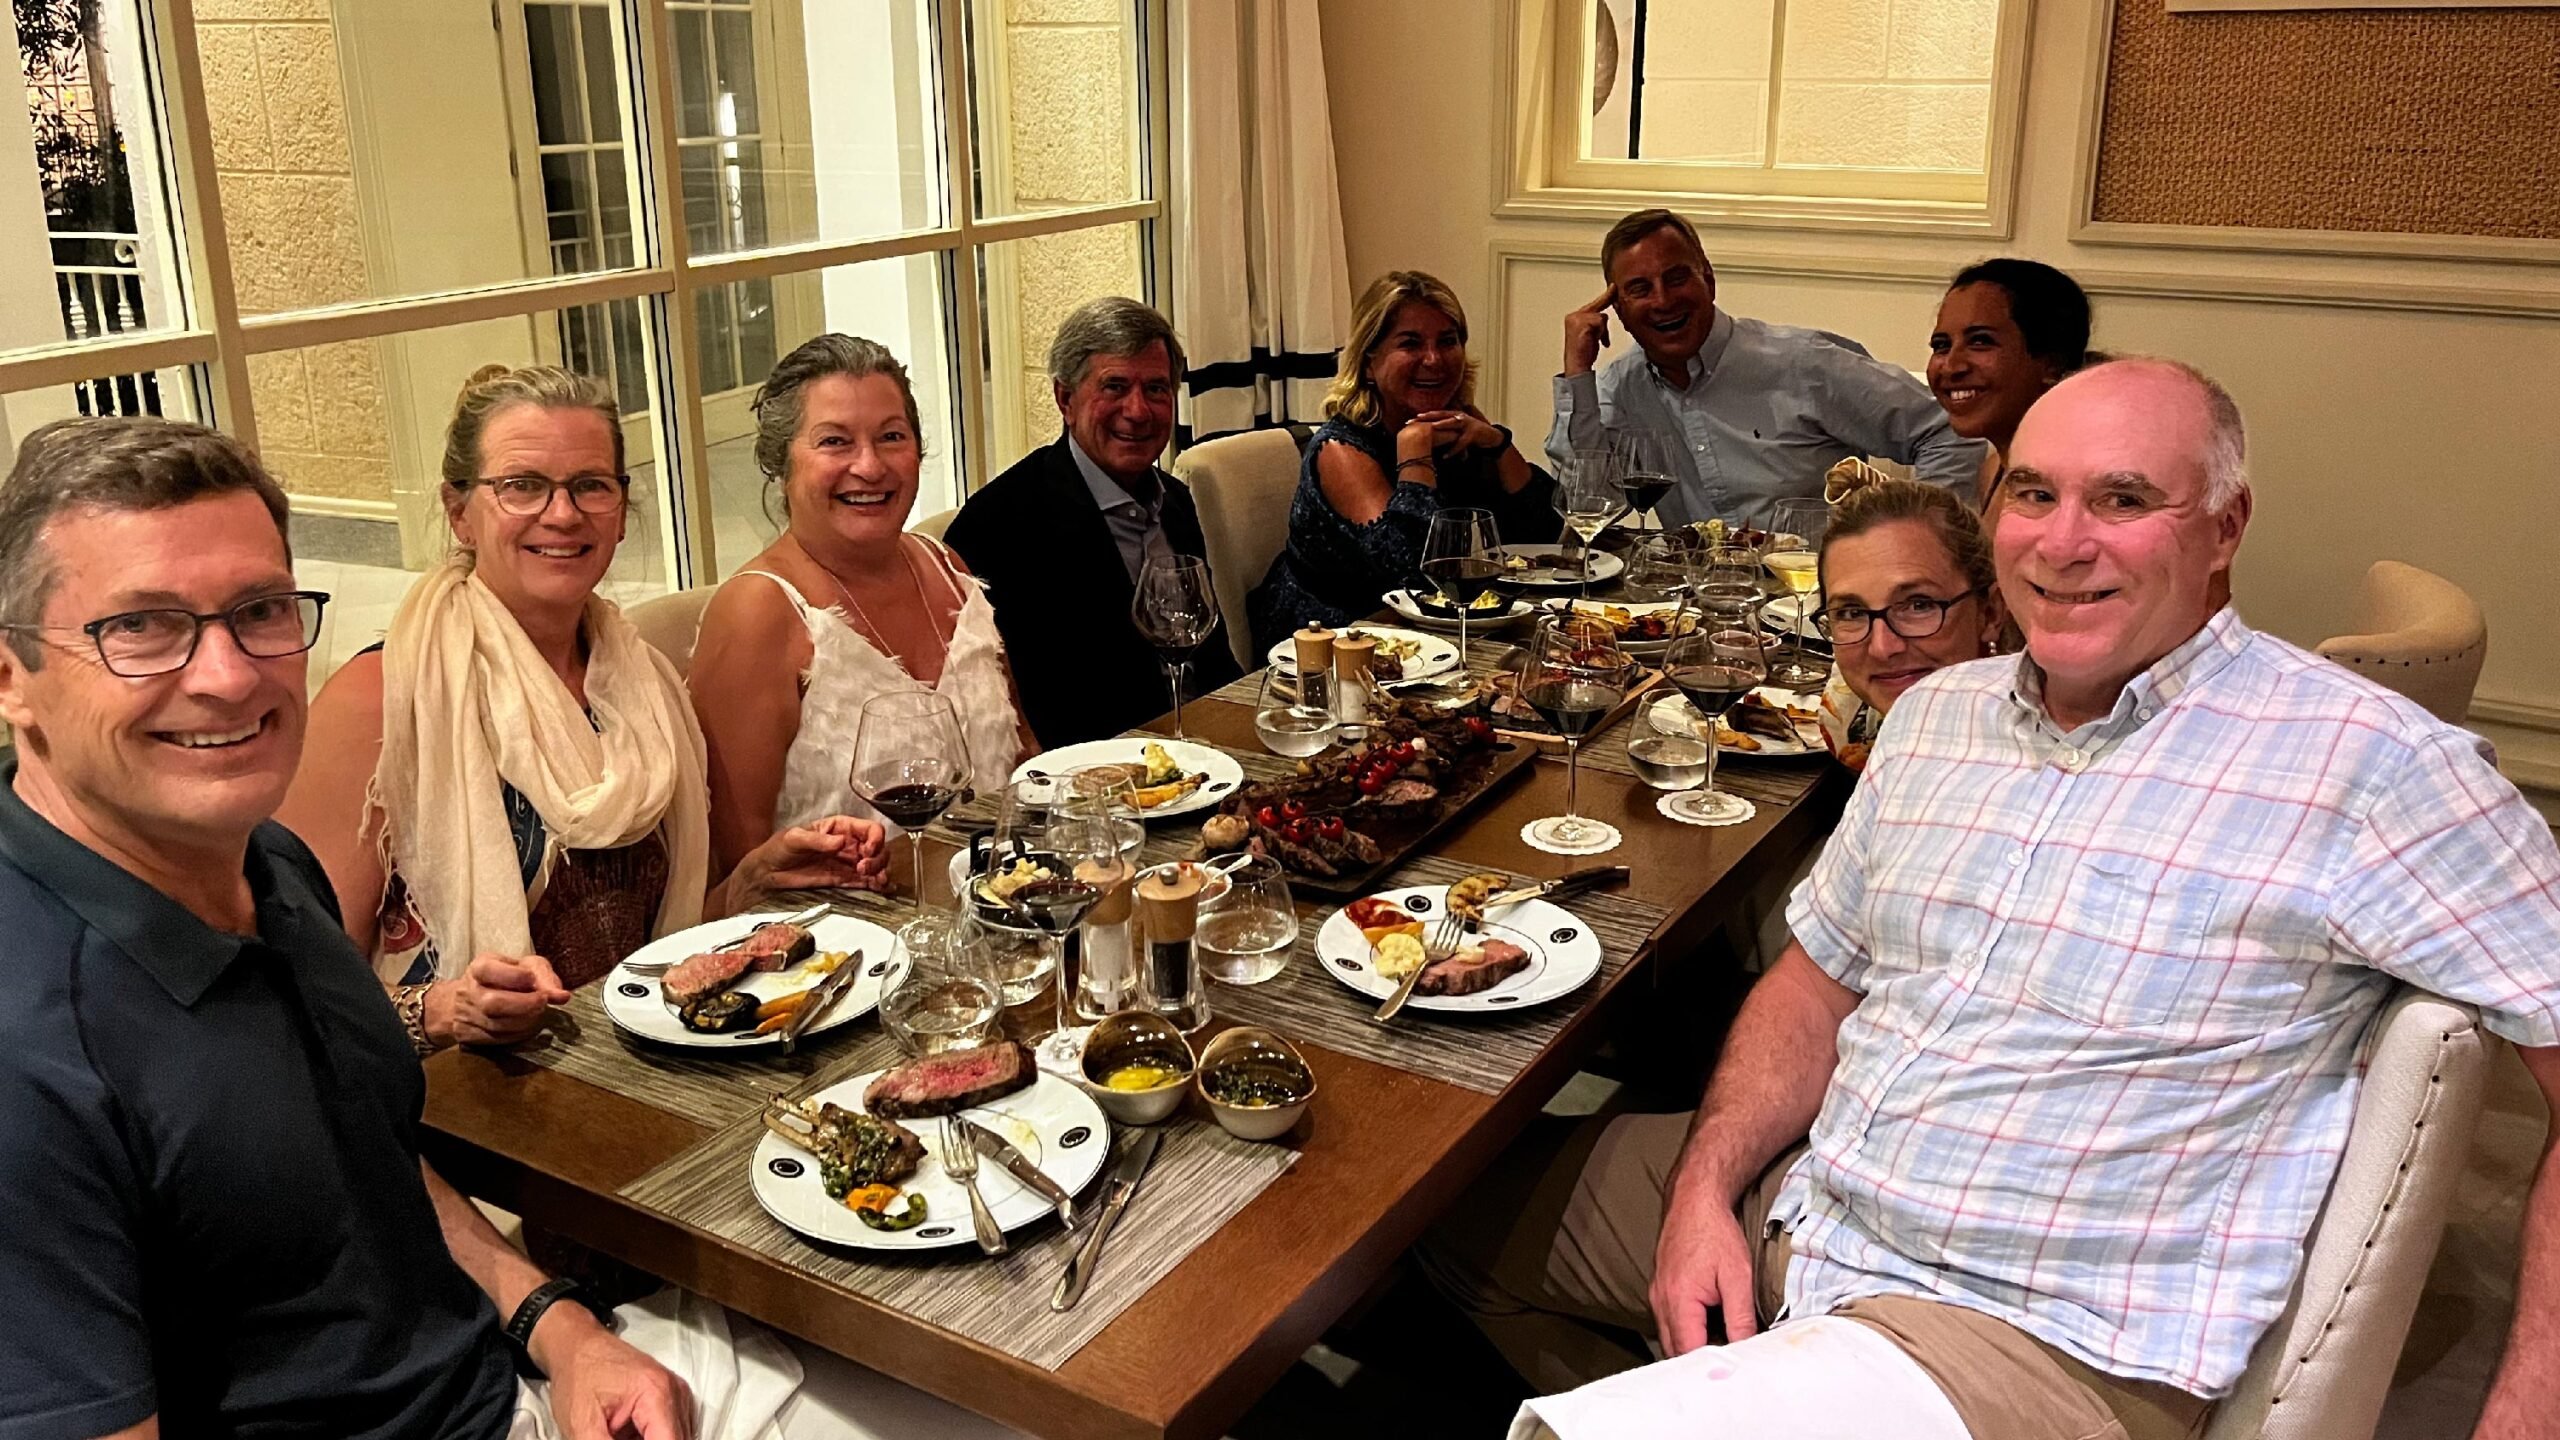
[(1261, 290)]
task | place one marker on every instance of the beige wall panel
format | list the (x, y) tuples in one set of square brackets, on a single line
[(1941, 39), (1061, 272), (1886, 124), (1705, 119), (294, 240), (280, 386), (335, 477), (262, 9), (306, 109), (1084, 12), (347, 402), (1704, 40), (1836, 39), (234, 98), (1066, 149)]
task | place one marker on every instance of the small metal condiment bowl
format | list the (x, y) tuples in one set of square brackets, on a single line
[(1135, 1035), (1251, 1045)]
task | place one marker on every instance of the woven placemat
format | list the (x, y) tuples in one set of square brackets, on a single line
[(708, 1087), (1200, 1178), (1480, 1052), (1763, 782)]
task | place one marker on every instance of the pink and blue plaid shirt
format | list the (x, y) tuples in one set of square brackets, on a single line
[(2117, 984)]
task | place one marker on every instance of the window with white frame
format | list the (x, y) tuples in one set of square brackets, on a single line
[(309, 223)]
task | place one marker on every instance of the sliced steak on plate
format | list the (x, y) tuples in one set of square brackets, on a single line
[(776, 945), (952, 1081), (1477, 968), (704, 974)]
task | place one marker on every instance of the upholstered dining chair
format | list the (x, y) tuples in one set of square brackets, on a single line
[(2322, 1370), (671, 622), (2419, 634), (1242, 484), (932, 526)]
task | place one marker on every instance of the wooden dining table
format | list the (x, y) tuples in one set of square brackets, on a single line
[(1382, 1152)]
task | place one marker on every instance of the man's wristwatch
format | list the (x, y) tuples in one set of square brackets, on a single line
[(530, 1313)]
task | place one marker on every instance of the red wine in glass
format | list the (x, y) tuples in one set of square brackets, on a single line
[(1055, 905), (914, 805), (1573, 706), (1714, 689)]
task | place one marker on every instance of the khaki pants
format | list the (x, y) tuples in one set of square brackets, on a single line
[(1552, 1254)]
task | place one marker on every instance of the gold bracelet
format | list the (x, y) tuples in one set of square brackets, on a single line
[(410, 1003)]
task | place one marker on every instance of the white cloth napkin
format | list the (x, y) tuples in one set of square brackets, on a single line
[(1819, 1379)]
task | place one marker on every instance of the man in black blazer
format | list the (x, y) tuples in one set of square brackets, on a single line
[(1061, 537)]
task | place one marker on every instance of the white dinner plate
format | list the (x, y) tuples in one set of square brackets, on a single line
[(1645, 649), (1479, 622), (1674, 715), (1056, 1126), (1785, 613), (637, 1004), (1433, 654), (1221, 768), (1551, 569), (1563, 953)]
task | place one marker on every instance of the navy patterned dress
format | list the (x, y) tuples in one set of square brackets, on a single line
[(1333, 572)]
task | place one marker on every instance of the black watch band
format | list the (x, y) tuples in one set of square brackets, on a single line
[(529, 1314)]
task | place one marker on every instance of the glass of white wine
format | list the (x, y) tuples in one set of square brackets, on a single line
[(1587, 493), (1793, 555)]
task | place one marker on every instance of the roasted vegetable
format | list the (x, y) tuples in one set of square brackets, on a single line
[(906, 1219), (715, 1014)]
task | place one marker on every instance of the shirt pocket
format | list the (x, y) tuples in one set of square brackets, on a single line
[(2133, 936)]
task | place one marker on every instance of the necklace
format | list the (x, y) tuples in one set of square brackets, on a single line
[(879, 636)]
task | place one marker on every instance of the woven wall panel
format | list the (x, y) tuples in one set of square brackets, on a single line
[(2436, 122)]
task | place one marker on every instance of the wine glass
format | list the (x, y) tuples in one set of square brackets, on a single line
[(1715, 668), (942, 992), (1587, 493), (1175, 608), (1106, 795), (1573, 676), (1292, 714), (1458, 556), (910, 761), (1793, 555), (1644, 476), (1245, 932), (1088, 847)]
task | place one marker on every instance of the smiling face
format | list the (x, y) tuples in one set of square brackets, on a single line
[(1420, 362), (854, 460), (1121, 410), (1666, 297), (2106, 552), (1881, 567), (1979, 367), (546, 563), (193, 758)]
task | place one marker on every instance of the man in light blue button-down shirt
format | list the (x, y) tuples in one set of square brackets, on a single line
[(1754, 412)]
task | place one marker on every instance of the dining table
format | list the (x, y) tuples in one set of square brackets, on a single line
[(1234, 1258)]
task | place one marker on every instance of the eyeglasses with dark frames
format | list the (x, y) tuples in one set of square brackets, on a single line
[(1915, 618), (137, 644), (531, 494)]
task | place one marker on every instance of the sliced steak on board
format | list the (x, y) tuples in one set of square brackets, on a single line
[(951, 1081), (1479, 967)]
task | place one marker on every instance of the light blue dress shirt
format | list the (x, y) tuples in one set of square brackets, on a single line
[(1769, 408), (1137, 528)]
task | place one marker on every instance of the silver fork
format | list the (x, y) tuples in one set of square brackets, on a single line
[(1442, 940), (960, 1162)]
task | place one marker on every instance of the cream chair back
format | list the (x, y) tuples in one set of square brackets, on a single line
[(1242, 485), (2419, 634)]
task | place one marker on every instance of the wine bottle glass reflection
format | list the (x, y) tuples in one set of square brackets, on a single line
[(1573, 676), (1793, 555), (910, 762), (1175, 609), (1715, 668), (1459, 556)]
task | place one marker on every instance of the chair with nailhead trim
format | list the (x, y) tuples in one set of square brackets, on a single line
[(2417, 633)]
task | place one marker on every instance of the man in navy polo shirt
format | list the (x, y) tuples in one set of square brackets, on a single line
[(213, 1219)]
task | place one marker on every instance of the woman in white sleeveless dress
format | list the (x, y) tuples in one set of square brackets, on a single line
[(843, 606)]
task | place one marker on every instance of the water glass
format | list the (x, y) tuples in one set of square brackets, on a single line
[(1245, 933), (941, 993), (1294, 714)]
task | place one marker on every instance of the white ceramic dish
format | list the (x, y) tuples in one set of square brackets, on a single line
[(1551, 569), (637, 1003), (1479, 622), (1563, 954), (1055, 1125), (1674, 715), (1221, 768), (1643, 649)]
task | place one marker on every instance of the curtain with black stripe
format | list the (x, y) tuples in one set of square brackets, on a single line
[(1261, 288)]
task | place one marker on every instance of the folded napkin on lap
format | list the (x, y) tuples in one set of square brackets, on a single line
[(1819, 1379)]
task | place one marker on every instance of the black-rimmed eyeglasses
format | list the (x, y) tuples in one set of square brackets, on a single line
[(1916, 618), (531, 494), (138, 644)]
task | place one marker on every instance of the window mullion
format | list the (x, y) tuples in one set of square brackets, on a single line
[(659, 222), (969, 346), (1777, 81), (212, 297)]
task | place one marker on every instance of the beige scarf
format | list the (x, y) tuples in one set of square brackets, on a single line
[(466, 702)]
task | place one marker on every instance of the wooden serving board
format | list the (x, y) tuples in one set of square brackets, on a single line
[(1398, 841), (1548, 742)]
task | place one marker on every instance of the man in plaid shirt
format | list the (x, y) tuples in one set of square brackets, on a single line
[(2077, 996)]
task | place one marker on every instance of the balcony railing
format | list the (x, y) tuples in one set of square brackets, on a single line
[(97, 275)]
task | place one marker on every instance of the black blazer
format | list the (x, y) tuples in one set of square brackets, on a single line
[(1061, 597)]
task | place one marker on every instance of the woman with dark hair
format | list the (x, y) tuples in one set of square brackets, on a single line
[(2008, 330)]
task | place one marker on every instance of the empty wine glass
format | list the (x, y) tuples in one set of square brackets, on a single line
[(1175, 608), (910, 761), (1793, 555), (1587, 493), (1715, 668), (1459, 556), (1573, 676), (1088, 850)]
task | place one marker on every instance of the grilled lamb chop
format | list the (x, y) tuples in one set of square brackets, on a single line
[(951, 1081), (707, 974), (1479, 967)]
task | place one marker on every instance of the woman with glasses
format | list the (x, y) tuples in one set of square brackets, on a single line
[(1907, 591), (843, 607), (509, 793)]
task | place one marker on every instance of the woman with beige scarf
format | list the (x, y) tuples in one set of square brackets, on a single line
[(509, 793)]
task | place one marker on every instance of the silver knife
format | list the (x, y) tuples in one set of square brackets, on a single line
[(821, 1000), (1125, 1174), (995, 1147), (1576, 883)]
